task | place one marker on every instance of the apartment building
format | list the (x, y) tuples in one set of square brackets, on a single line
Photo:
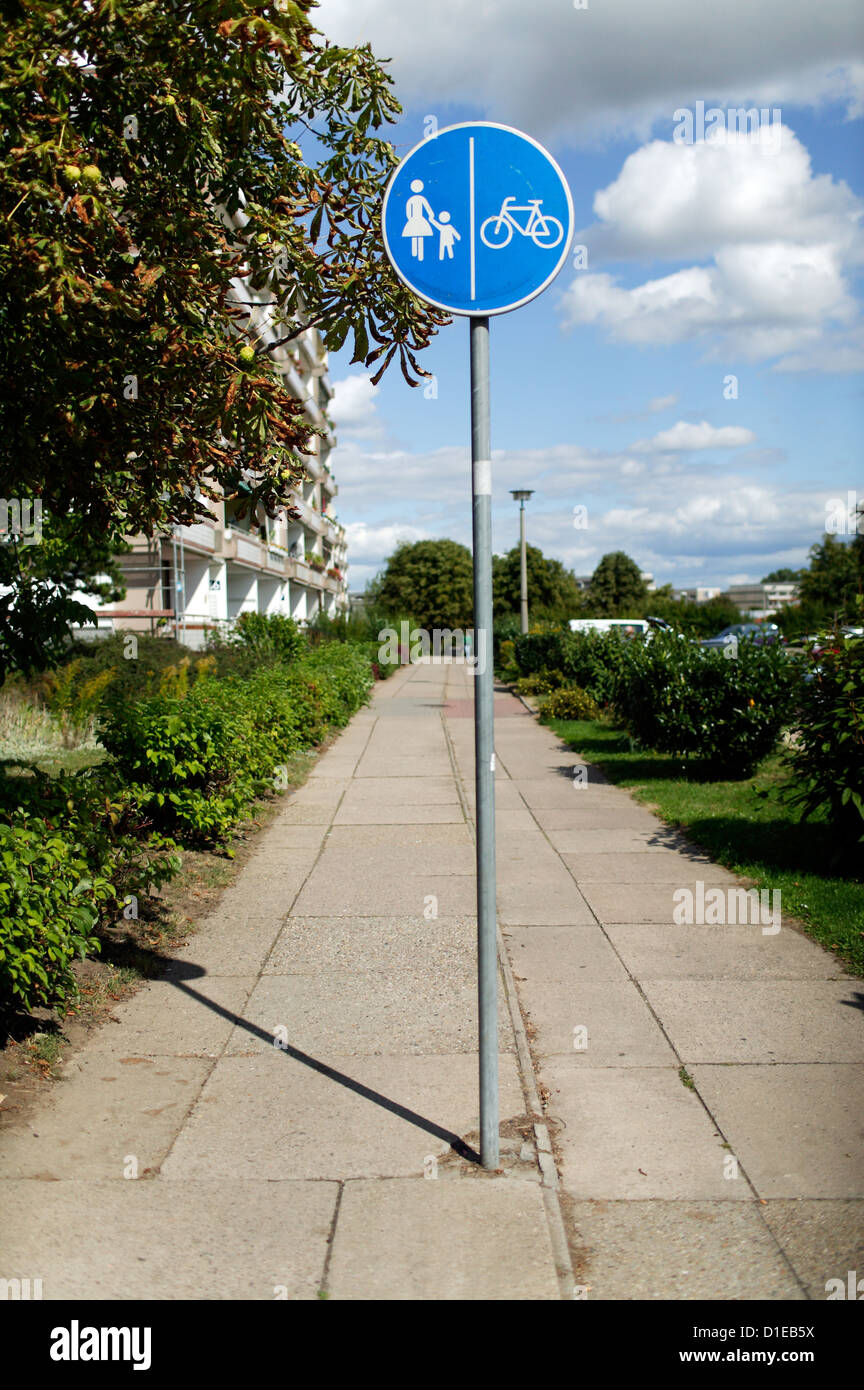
[(197, 578), (762, 600)]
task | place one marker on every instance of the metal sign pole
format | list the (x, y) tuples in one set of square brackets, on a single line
[(503, 216), (484, 742)]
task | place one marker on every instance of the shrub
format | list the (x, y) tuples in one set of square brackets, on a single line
[(49, 906), (594, 661), (272, 637), (678, 697), (591, 660), (191, 760), (197, 763), (538, 651), (72, 853), (541, 683), (570, 703), (828, 757)]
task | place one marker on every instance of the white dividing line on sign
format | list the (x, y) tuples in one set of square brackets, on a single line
[(471, 210)]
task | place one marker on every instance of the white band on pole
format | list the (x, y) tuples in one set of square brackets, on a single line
[(482, 477)]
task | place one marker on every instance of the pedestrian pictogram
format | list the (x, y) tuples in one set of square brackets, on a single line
[(477, 219)]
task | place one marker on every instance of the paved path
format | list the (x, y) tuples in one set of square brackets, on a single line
[(298, 1097)]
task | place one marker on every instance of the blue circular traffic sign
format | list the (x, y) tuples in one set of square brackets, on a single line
[(477, 219)]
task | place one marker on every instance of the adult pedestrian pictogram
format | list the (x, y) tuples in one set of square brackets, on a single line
[(477, 219)]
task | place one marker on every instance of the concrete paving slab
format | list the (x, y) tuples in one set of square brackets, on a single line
[(587, 840), (587, 814), (607, 1018), (271, 1116), (368, 1013), (321, 791), (526, 904), (340, 767), (285, 837), (824, 1240), (679, 1251), (640, 867), (228, 944), (732, 953), (796, 1129), (102, 1111), (305, 813), (634, 1133), (420, 1240), (315, 945), (401, 791), (398, 861), (761, 1020), (154, 1240), (183, 1019), (373, 836), (562, 955), (359, 814), (326, 894), (633, 902), (414, 766)]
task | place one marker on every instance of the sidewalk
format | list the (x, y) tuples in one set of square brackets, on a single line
[(298, 1097)]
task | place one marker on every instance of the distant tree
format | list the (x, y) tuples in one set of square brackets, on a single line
[(835, 577), (782, 576), (431, 581), (617, 585), (552, 589)]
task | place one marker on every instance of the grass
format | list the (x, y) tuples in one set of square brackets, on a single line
[(748, 825), (30, 734)]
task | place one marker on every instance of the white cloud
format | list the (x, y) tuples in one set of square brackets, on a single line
[(613, 67), (353, 408), (674, 201), (662, 403), (681, 523), (685, 436), (782, 242)]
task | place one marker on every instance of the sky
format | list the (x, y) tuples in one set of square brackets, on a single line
[(691, 391)]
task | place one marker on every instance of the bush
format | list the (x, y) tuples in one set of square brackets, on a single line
[(198, 763), (678, 697), (272, 637), (538, 651), (541, 683), (828, 757), (49, 906), (570, 703), (591, 660), (73, 849)]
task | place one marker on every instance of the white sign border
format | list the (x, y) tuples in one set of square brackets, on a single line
[(507, 308)]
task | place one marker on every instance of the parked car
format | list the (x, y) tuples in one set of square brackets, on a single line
[(762, 634), (626, 627)]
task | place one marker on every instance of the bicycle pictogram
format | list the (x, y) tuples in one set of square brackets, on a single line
[(497, 231)]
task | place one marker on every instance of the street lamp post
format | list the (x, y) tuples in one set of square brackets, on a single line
[(521, 496)]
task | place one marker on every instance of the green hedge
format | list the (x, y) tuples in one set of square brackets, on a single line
[(198, 762), (591, 660), (571, 703), (827, 757), (73, 849), (678, 697)]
